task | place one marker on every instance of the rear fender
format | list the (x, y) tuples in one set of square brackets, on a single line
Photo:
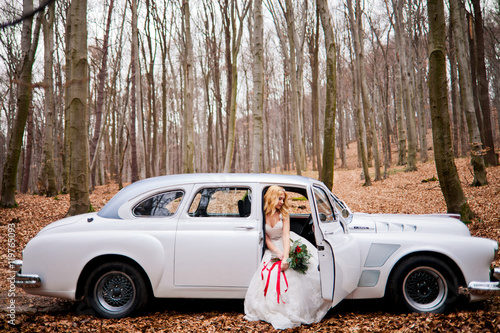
[(60, 264)]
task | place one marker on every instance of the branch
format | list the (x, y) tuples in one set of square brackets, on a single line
[(27, 15)]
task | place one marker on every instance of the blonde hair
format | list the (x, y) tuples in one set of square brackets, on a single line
[(271, 199)]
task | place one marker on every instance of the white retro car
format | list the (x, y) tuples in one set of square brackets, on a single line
[(202, 236)]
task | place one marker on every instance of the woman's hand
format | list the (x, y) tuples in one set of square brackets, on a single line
[(279, 254), (284, 265)]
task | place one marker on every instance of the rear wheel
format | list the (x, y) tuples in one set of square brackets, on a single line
[(115, 290), (423, 284)]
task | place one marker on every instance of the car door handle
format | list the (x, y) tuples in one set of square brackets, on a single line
[(328, 232), (248, 227)]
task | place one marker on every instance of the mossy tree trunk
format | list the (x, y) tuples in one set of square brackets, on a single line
[(28, 49), (331, 95), (441, 130)]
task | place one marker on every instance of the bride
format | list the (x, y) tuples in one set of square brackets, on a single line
[(278, 295)]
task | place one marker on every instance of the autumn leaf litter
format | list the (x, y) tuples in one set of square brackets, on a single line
[(406, 193)]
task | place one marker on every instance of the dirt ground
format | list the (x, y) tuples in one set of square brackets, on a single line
[(402, 192)]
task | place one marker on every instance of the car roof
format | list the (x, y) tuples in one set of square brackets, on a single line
[(110, 210)]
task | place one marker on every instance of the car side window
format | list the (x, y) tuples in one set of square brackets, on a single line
[(222, 202), (164, 204), (325, 209)]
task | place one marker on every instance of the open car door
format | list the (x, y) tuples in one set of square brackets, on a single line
[(338, 252)]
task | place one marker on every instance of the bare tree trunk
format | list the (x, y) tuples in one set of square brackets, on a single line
[(151, 134), (327, 174), (235, 43), (28, 153), (357, 59), (422, 114), (400, 118), (314, 60), (405, 81), (258, 85), (455, 97), (103, 71), (28, 49), (490, 157), (386, 139), (133, 59), (48, 143), (297, 127), (164, 41), (188, 129), (477, 159), (367, 104), (438, 92), (77, 108)]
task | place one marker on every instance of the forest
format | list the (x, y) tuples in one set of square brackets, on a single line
[(392, 103), (113, 91)]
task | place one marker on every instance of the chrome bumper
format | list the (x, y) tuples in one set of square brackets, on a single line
[(25, 280), (484, 288)]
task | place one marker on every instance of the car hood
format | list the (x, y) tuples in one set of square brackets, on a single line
[(429, 223)]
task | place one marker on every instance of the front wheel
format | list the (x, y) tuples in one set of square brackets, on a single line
[(423, 284), (115, 290)]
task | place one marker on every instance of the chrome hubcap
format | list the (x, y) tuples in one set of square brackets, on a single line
[(115, 291), (425, 289)]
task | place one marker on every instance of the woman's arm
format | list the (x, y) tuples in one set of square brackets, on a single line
[(273, 248), (286, 242)]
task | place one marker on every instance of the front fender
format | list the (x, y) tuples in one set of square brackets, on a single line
[(59, 259), (471, 255)]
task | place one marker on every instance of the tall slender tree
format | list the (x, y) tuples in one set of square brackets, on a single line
[(103, 72), (490, 157), (133, 98), (77, 87), (48, 144), (327, 174), (258, 85), (466, 94), (233, 26), (29, 43), (451, 187), (405, 84), (357, 69), (188, 129)]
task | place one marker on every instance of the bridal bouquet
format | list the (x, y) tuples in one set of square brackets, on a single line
[(299, 257)]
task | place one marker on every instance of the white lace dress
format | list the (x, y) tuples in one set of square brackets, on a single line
[(292, 300)]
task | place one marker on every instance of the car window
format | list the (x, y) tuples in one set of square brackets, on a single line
[(325, 209), (164, 204), (298, 203), (222, 202)]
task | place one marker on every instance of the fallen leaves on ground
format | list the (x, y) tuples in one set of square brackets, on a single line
[(405, 193)]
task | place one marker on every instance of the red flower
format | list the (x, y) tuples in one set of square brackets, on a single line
[(298, 249)]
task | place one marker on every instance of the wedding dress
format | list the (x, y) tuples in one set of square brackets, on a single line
[(291, 300)]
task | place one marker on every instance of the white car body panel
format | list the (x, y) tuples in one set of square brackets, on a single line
[(186, 256)]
